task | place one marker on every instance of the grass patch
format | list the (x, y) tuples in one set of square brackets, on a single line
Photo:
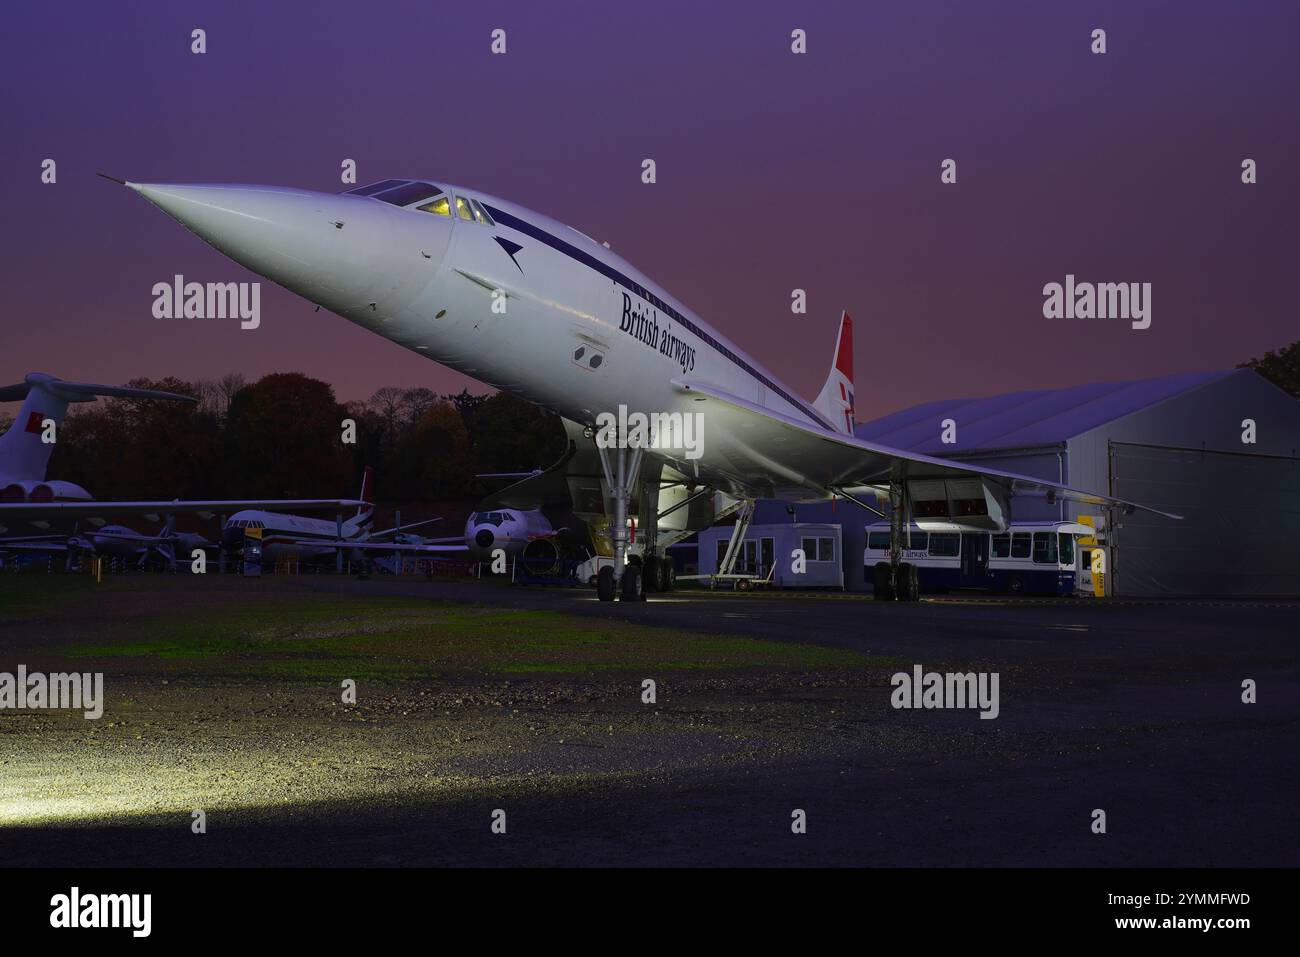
[(380, 637)]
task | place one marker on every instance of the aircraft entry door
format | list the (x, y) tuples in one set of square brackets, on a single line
[(974, 560)]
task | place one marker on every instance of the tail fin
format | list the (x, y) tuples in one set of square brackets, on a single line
[(366, 512), (836, 398), (23, 454)]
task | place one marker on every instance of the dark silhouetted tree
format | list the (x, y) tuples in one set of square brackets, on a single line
[(1282, 368), (284, 437)]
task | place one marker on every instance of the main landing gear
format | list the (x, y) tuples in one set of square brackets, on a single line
[(621, 579)]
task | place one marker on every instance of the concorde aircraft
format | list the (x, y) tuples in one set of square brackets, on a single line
[(531, 306)]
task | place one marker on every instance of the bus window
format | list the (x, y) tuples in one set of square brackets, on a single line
[(1020, 545), (1067, 548), (878, 541), (1044, 548), (945, 545), (918, 542), (1001, 546)]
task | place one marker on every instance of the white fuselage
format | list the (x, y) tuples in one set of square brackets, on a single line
[(429, 283)]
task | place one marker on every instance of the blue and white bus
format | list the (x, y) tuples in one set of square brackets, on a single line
[(1038, 558)]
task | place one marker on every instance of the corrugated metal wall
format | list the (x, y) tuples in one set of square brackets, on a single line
[(1241, 529)]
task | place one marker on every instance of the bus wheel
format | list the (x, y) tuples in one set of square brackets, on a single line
[(669, 575), (605, 583), (1016, 584), (880, 583)]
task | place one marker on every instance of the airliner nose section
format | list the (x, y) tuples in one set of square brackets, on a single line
[(336, 250)]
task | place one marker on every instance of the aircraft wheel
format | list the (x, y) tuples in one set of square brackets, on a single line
[(909, 582), (605, 583), (669, 575), (632, 584), (653, 571), (881, 590)]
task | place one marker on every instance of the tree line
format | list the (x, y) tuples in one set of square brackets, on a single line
[(285, 436)]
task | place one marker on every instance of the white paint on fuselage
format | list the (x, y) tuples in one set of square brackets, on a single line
[(396, 271)]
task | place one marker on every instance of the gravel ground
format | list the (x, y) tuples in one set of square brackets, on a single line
[(1138, 713)]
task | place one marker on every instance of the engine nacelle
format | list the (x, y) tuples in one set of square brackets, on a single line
[(958, 505), (43, 492), (541, 557)]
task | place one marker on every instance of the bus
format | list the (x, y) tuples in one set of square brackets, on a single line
[(1029, 558)]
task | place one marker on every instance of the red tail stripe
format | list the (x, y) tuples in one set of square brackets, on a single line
[(844, 358)]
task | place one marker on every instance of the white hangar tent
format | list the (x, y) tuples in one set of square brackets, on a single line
[(1175, 443)]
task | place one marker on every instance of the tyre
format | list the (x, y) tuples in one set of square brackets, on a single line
[(881, 589), (652, 572), (605, 583), (669, 576), (1017, 585), (909, 582), (632, 584)]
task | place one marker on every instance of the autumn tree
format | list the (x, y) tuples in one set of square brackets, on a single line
[(284, 438)]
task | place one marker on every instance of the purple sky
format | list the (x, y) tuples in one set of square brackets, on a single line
[(776, 171)]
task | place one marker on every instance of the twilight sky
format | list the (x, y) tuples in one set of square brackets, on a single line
[(775, 171)]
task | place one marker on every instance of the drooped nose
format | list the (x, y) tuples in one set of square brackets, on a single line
[(344, 252)]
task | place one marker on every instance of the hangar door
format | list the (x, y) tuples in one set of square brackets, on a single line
[(1240, 534)]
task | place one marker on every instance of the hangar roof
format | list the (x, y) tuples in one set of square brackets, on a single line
[(1027, 419)]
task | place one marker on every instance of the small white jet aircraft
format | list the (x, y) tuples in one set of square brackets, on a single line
[(309, 539), (534, 307)]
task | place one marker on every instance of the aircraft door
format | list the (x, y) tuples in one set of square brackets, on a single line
[(252, 551), (974, 559)]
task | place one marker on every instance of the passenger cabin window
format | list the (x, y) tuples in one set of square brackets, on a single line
[(1044, 548), (1067, 548), (408, 194), (462, 209), (374, 187), (1020, 545), (439, 207), (1001, 546), (945, 544)]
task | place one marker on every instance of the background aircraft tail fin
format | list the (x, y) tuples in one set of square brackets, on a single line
[(836, 398), (366, 512), (23, 453)]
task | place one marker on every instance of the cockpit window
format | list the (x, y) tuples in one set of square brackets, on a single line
[(483, 217), (375, 187), (408, 194), (488, 518), (439, 207), (463, 210)]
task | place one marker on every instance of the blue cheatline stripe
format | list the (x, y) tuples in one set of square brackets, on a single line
[(609, 272)]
